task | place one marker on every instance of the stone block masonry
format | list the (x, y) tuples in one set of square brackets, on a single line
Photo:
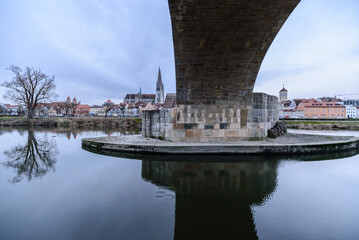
[(219, 47), (205, 123)]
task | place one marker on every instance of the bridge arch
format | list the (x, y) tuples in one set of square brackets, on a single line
[(219, 47)]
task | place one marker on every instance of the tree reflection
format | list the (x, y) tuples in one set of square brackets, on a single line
[(33, 159)]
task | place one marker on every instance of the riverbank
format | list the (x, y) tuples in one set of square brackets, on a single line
[(322, 125), (74, 122)]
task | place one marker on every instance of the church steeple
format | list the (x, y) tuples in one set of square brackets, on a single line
[(283, 95), (159, 88)]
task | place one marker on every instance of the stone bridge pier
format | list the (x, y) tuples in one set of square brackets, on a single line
[(219, 47)]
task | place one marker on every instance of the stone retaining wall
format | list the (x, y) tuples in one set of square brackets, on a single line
[(208, 123)]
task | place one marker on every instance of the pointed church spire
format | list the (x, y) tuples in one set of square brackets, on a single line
[(159, 88), (159, 79)]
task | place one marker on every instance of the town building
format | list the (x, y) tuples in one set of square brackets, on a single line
[(316, 109), (353, 102), (291, 113), (42, 110), (285, 104), (3, 109), (82, 110), (157, 98), (283, 95), (149, 107), (350, 111), (331, 99), (13, 109), (97, 111), (357, 112), (159, 88), (139, 97), (170, 101), (295, 102)]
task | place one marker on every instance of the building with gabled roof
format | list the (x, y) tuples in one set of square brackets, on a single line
[(134, 98), (170, 101), (316, 109)]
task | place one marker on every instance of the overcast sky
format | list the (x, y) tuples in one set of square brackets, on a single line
[(103, 49)]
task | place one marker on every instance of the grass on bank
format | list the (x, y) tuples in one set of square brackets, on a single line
[(318, 122), (7, 118)]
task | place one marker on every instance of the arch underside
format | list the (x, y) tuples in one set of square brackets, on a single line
[(219, 47)]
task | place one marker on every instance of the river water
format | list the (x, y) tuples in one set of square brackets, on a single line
[(51, 188)]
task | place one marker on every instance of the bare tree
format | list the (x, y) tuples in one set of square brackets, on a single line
[(108, 106), (3, 110), (73, 107), (58, 109), (123, 109), (30, 87)]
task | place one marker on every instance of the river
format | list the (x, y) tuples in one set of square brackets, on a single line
[(51, 188)]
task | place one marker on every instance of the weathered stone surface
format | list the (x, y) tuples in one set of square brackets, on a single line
[(287, 144), (174, 124), (219, 47), (272, 133), (277, 130)]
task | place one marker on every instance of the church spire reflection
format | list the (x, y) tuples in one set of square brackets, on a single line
[(33, 159), (213, 200)]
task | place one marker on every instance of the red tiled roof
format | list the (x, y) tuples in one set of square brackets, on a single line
[(315, 103), (11, 106), (170, 101), (330, 99), (83, 106)]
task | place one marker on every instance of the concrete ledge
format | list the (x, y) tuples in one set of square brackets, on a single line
[(287, 144)]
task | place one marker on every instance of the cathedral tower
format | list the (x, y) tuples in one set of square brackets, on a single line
[(159, 89)]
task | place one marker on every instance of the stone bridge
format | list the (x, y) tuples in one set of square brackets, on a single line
[(219, 47)]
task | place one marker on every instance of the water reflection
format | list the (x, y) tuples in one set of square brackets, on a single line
[(33, 159), (36, 157), (215, 194), (213, 200)]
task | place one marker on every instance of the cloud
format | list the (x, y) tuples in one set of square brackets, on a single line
[(105, 49), (95, 49), (316, 53)]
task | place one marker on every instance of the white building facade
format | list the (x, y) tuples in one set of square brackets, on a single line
[(291, 113), (350, 111)]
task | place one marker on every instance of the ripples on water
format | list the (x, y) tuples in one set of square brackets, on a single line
[(51, 188)]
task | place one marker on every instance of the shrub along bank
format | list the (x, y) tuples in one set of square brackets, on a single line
[(322, 125), (75, 122)]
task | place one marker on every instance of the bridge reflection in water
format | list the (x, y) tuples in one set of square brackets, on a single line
[(215, 194), (213, 200)]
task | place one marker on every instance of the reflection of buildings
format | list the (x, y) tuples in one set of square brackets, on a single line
[(213, 200), (74, 134)]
